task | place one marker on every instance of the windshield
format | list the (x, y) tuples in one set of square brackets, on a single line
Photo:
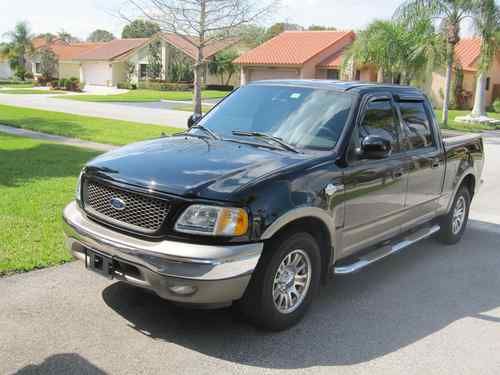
[(300, 116)]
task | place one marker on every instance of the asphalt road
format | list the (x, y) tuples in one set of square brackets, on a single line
[(432, 309)]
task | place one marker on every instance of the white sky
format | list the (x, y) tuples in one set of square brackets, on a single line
[(81, 17)]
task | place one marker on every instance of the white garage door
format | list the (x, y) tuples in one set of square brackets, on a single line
[(270, 73), (5, 71), (97, 73)]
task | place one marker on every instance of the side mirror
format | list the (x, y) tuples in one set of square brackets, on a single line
[(193, 120), (375, 147)]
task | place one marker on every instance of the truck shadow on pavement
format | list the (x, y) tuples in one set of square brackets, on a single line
[(62, 364), (355, 318)]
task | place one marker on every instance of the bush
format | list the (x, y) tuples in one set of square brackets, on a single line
[(28, 76), (496, 105), (165, 86), (47, 81), (62, 83), (126, 86), (220, 87)]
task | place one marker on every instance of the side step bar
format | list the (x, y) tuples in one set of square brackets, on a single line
[(385, 251)]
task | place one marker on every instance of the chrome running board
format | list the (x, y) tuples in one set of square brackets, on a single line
[(385, 251)]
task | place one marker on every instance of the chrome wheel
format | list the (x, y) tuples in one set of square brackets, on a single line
[(458, 215), (291, 281)]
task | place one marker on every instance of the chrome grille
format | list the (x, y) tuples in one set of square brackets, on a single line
[(142, 213)]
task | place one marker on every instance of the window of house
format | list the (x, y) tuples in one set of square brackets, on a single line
[(143, 71), (488, 83), (417, 124), (38, 68), (332, 74)]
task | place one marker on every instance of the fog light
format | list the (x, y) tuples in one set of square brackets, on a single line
[(183, 290)]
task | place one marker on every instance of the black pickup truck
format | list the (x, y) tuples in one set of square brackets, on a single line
[(282, 184)]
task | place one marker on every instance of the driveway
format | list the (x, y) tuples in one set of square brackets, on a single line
[(149, 114), (432, 309)]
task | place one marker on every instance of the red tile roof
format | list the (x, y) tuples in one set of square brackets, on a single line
[(73, 51), (292, 47), (333, 61), (184, 45), (467, 51), (113, 49)]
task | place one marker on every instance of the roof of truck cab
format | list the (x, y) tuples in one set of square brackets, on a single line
[(344, 86)]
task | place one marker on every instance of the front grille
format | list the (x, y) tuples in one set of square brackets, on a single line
[(140, 212)]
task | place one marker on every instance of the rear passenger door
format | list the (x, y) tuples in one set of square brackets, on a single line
[(426, 164)]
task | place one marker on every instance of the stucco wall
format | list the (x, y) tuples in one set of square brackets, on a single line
[(5, 71), (119, 73), (68, 70)]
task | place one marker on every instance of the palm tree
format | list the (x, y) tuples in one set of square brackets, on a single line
[(451, 13), (400, 52), (487, 21), (18, 47)]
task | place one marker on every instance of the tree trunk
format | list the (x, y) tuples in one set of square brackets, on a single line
[(380, 75), (229, 76), (447, 84), (480, 96), (197, 83)]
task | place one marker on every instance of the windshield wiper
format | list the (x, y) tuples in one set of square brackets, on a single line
[(206, 130), (268, 137)]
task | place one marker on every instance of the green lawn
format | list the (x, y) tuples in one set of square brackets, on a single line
[(83, 127), (31, 92), (17, 85), (453, 125), (146, 96), (37, 179)]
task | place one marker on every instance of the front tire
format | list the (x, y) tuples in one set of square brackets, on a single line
[(454, 223), (284, 283)]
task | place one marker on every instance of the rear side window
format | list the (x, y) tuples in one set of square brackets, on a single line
[(417, 125)]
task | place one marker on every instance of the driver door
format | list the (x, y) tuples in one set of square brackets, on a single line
[(374, 188)]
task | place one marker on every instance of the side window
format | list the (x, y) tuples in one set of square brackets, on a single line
[(379, 119), (417, 125)]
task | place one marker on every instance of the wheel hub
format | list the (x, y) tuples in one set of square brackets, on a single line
[(291, 281)]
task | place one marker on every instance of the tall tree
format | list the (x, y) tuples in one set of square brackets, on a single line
[(451, 13), (140, 29), (18, 48), (279, 27), (487, 22), (201, 23), (67, 37), (100, 35), (222, 65), (321, 28)]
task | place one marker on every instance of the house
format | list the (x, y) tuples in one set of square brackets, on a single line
[(467, 53), (120, 60), (5, 70), (300, 55)]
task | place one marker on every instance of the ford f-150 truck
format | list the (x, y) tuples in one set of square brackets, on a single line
[(280, 185)]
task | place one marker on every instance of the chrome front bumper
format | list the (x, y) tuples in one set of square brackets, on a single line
[(215, 274)]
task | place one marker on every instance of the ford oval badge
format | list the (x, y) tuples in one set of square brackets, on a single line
[(118, 204)]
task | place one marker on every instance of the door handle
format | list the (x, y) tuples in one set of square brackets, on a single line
[(435, 164), (398, 174)]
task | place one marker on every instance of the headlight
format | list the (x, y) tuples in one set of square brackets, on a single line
[(78, 193), (213, 221)]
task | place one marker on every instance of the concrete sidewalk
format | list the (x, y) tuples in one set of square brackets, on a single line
[(56, 138), (115, 111)]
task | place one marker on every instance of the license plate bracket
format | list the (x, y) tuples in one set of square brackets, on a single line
[(99, 263)]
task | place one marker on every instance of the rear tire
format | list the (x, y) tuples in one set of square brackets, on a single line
[(284, 283), (454, 223)]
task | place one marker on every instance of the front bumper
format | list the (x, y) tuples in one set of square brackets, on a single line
[(216, 274)]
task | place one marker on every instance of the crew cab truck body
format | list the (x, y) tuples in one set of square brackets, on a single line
[(280, 185)]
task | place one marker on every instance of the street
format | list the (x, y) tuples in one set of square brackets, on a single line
[(432, 309)]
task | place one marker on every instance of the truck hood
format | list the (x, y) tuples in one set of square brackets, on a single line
[(190, 166)]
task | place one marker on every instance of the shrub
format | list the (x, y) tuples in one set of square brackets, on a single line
[(126, 86), (496, 105), (62, 83), (28, 76), (220, 87)]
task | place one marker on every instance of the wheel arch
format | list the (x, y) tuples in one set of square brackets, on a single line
[(314, 221)]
